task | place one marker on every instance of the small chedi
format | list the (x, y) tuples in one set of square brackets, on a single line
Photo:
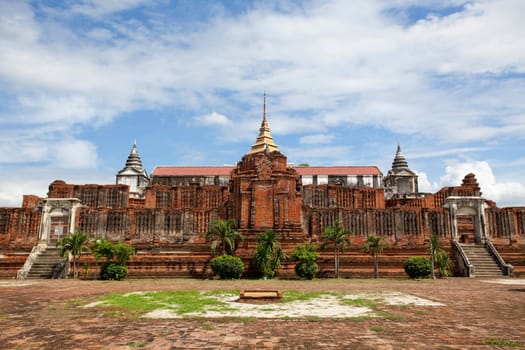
[(166, 215)]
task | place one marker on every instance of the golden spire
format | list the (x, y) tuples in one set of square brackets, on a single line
[(264, 141)]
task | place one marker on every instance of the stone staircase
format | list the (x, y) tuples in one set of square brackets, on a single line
[(483, 262), (45, 264)]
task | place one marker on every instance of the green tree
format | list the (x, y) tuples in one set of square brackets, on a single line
[(116, 257), (336, 236), (305, 254), (375, 245), (439, 257), (268, 254), (73, 244), (222, 234)]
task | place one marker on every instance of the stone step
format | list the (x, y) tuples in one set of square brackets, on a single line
[(483, 262), (45, 264), (497, 272), (487, 268)]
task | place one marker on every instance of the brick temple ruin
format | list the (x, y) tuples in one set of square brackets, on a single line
[(166, 215)]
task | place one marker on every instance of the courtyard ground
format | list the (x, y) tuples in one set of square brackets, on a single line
[(476, 314)]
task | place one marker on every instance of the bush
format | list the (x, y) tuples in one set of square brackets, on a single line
[(306, 256), (227, 266), (418, 267), (113, 271), (116, 257), (306, 270)]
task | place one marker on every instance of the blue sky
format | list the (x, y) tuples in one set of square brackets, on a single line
[(346, 81)]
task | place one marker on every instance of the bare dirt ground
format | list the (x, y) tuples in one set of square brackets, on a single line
[(477, 314)]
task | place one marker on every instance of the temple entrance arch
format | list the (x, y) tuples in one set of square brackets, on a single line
[(58, 219), (58, 225), (468, 219), (465, 221)]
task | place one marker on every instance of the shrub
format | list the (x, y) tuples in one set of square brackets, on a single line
[(227, 266), (418, 267), (116, 257), (113, 271), (306, 255), (306, 270)]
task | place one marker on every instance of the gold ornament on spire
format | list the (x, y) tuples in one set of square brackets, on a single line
[(264, 141)]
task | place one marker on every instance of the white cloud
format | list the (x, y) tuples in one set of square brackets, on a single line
[(76, 154), (445, 80), (317, 139), (320, 155), (213, 118), (425, 185), (503, 193), (98, 8), (36, 180)]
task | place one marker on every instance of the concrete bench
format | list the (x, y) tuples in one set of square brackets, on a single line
[(260, 294)]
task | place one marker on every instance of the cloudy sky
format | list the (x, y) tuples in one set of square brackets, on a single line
[(346, 81)]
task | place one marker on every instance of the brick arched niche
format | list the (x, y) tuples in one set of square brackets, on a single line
[(58, 219), (467, 219)]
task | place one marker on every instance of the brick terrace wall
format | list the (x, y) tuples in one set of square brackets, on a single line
[(506, 226), (403, 227), (95, 196), (19, 228), (18, 234), (337, 196)]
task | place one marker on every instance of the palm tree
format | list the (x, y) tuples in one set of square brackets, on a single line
[(375, 246), (338, 237), (268, 254), (440, 257), (222, 233), (73, 244)]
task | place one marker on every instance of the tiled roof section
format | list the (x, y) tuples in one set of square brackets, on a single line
[(338, 170), (226, 170), (193, 170)]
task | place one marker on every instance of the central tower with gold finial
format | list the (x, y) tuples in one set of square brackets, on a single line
[(266, 193), (264, 141)]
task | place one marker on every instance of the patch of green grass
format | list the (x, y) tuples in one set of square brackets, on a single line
[(378, 329), (360, 318), (294, 295), (267, 309), (136, 345), (363, 302), (180, 302), (389, 316), (208, 326), (502, 342), (313, 318), (134, 303), (219, 292)]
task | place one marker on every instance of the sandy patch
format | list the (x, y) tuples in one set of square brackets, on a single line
[(15, 283), (93, 304), (395, 298), (326, 306), (507, 281)]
